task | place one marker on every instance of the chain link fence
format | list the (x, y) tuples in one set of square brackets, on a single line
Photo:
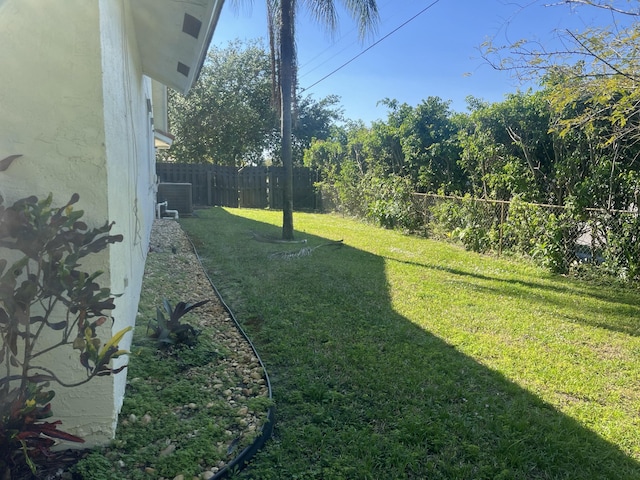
[(561, 238)]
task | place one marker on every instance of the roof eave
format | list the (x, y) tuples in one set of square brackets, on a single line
[(173, 38)]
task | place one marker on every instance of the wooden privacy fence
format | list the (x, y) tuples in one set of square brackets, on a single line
[(250, 187)]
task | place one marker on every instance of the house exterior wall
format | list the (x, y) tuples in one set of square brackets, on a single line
[(51, 102), (130, 155), (73, 103), (160, 105)]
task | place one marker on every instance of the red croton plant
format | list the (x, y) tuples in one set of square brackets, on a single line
[(46, 303)]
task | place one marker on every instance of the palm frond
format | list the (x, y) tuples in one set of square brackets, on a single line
[(365, 13)]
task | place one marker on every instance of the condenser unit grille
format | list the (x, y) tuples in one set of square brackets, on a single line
[(178, 195)]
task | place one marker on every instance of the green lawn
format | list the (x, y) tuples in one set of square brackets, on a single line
[(396, 357)]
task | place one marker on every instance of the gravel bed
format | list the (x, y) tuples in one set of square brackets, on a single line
[(239, 376)]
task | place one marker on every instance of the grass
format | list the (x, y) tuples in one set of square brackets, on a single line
[(396, 357)]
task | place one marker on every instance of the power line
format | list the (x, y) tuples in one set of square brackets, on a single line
[(325, 61), (370, 46), (327, 49)]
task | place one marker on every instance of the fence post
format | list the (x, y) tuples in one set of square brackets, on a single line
[(425, 215), (501, 227)]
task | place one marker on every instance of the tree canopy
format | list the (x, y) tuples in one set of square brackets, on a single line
[(591, 88), (227, 118)]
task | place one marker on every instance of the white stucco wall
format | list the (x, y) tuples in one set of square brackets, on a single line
[(51, 97), (73, 103), (130, 163)]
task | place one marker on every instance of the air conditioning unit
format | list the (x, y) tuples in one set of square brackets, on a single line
[(178, 196)]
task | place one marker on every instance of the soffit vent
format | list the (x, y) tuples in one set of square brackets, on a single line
[(191, 25), (183, 69)]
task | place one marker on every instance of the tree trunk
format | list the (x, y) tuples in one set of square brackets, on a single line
[(286, 95)]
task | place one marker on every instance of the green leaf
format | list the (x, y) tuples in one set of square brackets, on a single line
[(58, 326)]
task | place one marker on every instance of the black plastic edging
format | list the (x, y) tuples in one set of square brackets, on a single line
[(243, 457)]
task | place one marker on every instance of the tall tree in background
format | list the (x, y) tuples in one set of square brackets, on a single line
[(314, 120), (281, 22), (507, 149), (227, 118), (592, 82), (427, 144)]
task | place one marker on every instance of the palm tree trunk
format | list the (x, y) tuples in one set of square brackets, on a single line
[(286, 95)]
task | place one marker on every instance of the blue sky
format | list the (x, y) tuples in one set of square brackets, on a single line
[(436, 54)]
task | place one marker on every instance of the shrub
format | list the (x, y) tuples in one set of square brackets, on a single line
[(622, 252), (46, 303), (172, 331), (524, 225), (467, 220), (389, 202)]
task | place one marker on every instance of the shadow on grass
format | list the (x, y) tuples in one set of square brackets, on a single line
[(362, 392), (551, 293)]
